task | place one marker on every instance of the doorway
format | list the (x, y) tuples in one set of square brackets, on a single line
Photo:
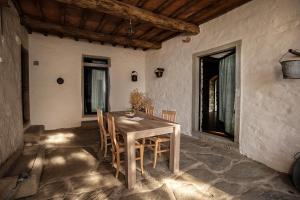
[(213, 110), (218, 92), (95, 85)]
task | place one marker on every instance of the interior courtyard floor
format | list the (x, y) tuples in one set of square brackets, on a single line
[(75, 169)]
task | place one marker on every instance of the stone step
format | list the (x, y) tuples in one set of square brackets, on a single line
[(30, 161), (89, 124), (33, 134)]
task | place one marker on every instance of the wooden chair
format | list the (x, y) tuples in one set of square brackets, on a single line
[(104, 135), (155, 143), (118, 148), (149, 110)]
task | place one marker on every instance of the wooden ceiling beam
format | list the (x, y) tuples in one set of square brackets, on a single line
[(41, 26), (139, 4), (124, 10)]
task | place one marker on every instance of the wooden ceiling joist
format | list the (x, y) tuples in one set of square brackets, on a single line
[(3, 3), (123, 10), (51, 28)]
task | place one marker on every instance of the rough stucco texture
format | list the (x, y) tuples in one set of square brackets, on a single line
[(11, 123), (269, 104)]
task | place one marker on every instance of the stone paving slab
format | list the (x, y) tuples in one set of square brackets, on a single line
[(74, 169)]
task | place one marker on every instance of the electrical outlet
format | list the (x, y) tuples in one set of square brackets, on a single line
[(1, 60)]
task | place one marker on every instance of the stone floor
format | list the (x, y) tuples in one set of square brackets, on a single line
[(74, 169)]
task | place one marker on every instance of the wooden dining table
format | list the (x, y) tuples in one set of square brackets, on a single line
[(143, 126)]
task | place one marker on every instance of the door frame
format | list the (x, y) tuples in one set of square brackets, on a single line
[(25, 86), (197, 87)]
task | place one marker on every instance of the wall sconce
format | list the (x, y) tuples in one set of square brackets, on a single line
[(159, 72), (35, 63), (134, 76), (291, 66)]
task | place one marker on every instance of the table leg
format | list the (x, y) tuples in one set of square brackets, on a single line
[(175, 150), (130, 161)]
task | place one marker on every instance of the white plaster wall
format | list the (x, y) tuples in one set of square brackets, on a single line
[(270, 120), (11, 121), (60, 106)]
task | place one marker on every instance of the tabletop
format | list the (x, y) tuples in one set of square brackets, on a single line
[(140, 123)]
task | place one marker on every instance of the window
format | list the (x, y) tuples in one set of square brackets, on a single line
[(95, 73)]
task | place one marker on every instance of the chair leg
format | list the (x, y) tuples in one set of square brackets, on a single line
[(113, 158), (118, 165), (159, 148), (155, 153), (142, 158), (105, 147), (101, 142)]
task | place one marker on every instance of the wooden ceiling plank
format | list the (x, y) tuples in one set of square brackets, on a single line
[(63, 14), (200, 12), (160, 8), (123, 10), (141, 3), (3, 3), (182, 9), (19, 8), (84, 18), (221, 9), (39, 5), (176, 13), (101, 23), (163, 6), (214, 6), (117, 27), (41, 26)]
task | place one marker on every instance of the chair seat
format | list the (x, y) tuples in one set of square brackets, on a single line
[(122, 146)]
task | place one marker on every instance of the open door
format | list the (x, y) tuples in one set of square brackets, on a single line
[(218, 93)]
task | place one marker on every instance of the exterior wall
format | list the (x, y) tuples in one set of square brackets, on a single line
[(269, 104), (60, 106), (11, 121)]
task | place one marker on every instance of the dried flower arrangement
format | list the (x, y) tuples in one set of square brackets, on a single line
[(139, 101)]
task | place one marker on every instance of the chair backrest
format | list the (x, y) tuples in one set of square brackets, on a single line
[(101, 122), (149, 110), (112, 132), (169, 115)]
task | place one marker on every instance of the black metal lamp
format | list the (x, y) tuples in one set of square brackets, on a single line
[(134, 76), (159, 72), (291, 66)]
